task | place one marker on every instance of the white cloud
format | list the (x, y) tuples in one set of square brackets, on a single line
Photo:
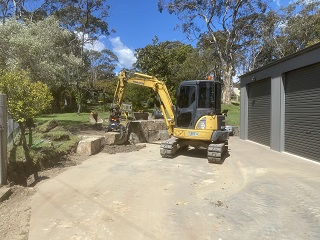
[(125, 55), (95, 45)]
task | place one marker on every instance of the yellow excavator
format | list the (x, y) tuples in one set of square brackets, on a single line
[(195, 120)]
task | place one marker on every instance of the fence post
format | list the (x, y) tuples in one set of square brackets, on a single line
[(3, 139)]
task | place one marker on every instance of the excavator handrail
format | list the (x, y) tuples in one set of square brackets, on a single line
[(157, 85)]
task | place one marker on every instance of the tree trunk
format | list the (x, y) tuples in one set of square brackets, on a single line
[(104, 102), (56, 93), (29, 163), (79, 99), (227, 88)]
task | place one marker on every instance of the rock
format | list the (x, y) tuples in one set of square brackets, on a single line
[(90, 146), (111, 138)]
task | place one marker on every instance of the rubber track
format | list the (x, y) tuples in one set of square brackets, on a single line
[(168, 148), (216, 152)]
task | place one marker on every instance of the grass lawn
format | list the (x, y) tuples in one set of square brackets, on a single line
[(72, 119), (233, 115), (69, 119)]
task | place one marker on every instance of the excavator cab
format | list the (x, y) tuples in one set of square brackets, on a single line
[(198, 120), (195, 99)]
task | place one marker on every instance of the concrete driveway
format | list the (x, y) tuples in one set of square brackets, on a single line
[(256, 194)]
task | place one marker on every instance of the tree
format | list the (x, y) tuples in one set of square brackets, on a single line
[(282, 33), (42, 48), (50, 53), (300, 26), (26, 99), (87, 18), (163, 60), (258, 47), (11, 8), (231, 19), (102, 65)]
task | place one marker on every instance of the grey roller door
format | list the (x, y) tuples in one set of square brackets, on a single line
[(259, 105), (302, 112)]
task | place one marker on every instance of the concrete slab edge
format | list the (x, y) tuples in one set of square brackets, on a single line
[(5, 193)]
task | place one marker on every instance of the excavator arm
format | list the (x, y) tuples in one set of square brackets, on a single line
[(158, 87)]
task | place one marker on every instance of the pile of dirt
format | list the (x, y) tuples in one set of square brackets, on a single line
[(113, 149)]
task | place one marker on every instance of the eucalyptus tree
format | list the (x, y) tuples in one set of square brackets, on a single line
[(300, 26), (102, 65), (258, 47), (86, 18), (11, 9), (231, 19), (101, 74), (281, 33)]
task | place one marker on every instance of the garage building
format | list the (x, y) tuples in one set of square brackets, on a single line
[(280, 104)]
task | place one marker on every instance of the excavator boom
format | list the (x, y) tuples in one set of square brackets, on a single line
[(157, 85)]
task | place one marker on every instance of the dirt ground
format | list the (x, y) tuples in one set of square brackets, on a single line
[(256, 193), (15, 212), (143, 196)]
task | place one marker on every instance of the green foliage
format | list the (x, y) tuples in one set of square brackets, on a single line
[(201, 63), (87, 17), (163, 60), (46, 51), (88, 20), (150, 103), (282, 33), (137, 96), (26, 99), (300, 26), (230, 21), (259, 48)]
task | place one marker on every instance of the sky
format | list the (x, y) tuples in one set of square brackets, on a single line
[(136, 23)]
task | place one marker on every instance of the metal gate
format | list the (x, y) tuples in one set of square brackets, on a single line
[(259, 111), (302, 112)]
